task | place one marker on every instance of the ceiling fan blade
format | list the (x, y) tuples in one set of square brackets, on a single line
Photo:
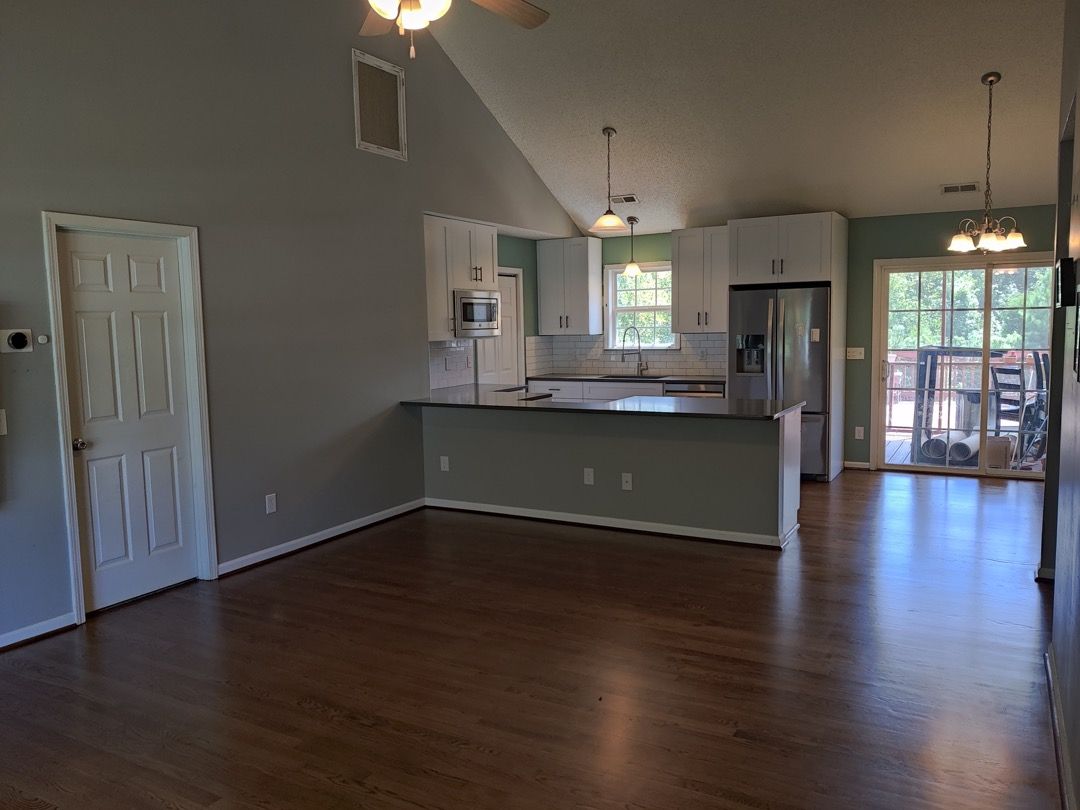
[(521, 12), (375, 26)]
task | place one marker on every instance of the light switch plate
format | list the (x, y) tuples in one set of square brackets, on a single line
[(271, 503), (589, 476), (856, 353), (3, 422)]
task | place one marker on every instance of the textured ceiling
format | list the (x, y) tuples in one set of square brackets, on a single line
[(729, 108)]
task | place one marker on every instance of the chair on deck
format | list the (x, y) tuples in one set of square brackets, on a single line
[(1008, 394)]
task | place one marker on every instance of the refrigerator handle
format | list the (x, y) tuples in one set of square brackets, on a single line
[(770, 340), (781, 351)]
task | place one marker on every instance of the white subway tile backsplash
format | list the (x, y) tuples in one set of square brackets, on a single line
[(451, 362), (547, 354)]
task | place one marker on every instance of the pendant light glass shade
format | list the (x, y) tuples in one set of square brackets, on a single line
[(1015, 239), (632, 269), (412, 17), (387, 9), (962, 243), (434, 9), (991, 241), (609, 222)]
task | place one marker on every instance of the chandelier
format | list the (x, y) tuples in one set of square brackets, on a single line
[(993, 235)]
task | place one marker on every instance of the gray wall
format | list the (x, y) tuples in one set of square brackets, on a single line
[(237, 117), (1066, 629)]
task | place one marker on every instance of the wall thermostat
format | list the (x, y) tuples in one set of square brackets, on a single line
[(16, 340)]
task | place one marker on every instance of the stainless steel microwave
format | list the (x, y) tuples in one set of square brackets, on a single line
[(476, 313)]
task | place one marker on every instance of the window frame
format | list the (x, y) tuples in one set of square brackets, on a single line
[(611, 309)]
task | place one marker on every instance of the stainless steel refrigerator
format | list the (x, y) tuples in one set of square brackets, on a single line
[(778, 348)]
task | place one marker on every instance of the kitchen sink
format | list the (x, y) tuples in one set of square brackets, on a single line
[(634, 376)]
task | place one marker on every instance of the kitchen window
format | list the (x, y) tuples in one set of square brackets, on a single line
[(643, 301)]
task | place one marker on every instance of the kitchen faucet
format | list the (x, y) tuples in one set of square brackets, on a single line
[(642, 366)]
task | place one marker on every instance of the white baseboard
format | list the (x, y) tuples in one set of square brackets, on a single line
[(289, 546), (1044, 574), (856, 465), (1062, 742), (616, 523), (39, 629)]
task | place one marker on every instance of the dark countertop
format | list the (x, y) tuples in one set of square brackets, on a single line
[(673, 378), (495, 396)]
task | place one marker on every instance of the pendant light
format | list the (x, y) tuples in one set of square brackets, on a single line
[(632, 267), (609, 221), (992, 234)]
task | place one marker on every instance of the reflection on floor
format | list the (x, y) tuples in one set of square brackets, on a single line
[(890, 657)]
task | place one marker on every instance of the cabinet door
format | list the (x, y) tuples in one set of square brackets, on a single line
[(576, 292), (754, 253), (485, 249), (804, 247), (459, 255), (688, 280), (550, 282), (440, 305), (717, 279)]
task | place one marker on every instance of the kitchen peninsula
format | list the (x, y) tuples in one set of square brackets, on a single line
[(718, 469)]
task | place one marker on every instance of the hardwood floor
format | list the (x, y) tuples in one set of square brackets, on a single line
[(891, 657)]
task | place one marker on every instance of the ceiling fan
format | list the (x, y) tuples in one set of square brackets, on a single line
[(413, 15)]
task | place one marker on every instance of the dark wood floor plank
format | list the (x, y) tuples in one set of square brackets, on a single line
[(890, 657)]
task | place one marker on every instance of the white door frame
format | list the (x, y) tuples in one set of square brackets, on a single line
[(519, 274), (877, 349), (187, 243)]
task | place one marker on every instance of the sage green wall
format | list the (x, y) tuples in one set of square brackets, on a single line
[(902, 237), (653, 247), (517, 252)]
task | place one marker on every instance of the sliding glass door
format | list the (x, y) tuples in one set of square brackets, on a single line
[(964, 364)]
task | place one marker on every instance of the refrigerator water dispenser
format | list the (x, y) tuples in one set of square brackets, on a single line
[(750, 354)]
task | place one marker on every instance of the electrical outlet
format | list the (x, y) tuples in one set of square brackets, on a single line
[(3, 423), (271, 503), (589, 477), (627, 481), (444, 463), (859, 433)]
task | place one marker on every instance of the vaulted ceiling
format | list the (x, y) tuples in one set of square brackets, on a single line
[(728, 108)]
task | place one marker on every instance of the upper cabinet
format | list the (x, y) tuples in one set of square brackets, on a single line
[(569, 278), (788, 249), (699, 279), (459, 255)]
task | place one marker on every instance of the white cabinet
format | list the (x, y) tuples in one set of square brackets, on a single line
[(458, 255), (700, 280), (569, 278), (559, 389), (789, 249), (608, 391)]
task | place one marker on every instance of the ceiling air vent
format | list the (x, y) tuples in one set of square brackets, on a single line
[(959, 188), (624, 199)]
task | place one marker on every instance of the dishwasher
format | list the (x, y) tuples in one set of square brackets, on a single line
[(694, 390)]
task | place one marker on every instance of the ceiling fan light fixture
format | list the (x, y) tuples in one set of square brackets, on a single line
[(434, 9), (412, 16), (387, 9)]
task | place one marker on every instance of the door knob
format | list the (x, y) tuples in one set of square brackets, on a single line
[(79, 444)]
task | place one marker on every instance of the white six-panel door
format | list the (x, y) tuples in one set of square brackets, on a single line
[(125, 358)]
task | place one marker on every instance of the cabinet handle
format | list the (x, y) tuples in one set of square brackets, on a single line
[(781, 267), (774, 267), (567, 321), (480, 272), (706, 318), (699, 319), (560, 321)]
